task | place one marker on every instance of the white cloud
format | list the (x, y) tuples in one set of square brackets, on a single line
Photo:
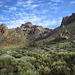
[(3, 18), (6, 6), (34, 6), (54, 8), (72, 2), (35, 19), (27, 4), (44, 11), (52, 4), (51, 23), (29, 1), (24, 3), (12, 9), (20, 3), (14, 24), (48, 23)]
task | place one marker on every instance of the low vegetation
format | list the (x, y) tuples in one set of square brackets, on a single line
[(42, 60)]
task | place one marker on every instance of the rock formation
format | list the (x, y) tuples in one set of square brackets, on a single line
[(67, 20), (3, 29), (29, 29)]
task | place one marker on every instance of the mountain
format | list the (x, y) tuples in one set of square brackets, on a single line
[(37, 34), (25, 31)]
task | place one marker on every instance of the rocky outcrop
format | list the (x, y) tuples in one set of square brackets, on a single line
[(7, 36), (29, 30), (26, 25), (3, 29), (67, 20)]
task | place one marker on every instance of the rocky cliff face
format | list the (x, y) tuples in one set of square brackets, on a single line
[(67, 20)]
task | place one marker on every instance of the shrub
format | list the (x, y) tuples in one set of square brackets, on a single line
[(8, 64), (18, 55), (29, 59), (44, 70)]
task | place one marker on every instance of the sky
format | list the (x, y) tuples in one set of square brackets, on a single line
[(46, 13)]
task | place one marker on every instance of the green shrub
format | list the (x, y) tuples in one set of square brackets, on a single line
[(8, 64), (29, 59), (44, 70), (18, 55)]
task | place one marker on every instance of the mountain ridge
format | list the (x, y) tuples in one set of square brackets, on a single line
[(36, 33)]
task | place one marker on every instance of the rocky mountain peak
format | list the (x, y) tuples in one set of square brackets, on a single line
[(3, 26), (3, 29), (67, 20), (26, 25)]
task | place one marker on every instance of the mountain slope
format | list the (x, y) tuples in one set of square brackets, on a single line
[(64, 32), (26, 31)]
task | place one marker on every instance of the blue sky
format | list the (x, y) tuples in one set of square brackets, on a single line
[(46, 13)]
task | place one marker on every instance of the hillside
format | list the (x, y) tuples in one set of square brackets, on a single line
[(66, 31)]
